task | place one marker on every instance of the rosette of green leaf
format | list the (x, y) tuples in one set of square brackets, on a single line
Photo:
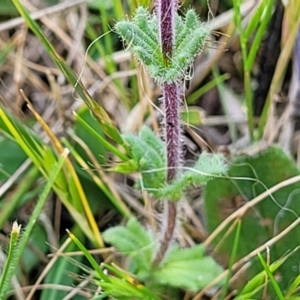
[(134, 241), (184, 268), (142, 36)]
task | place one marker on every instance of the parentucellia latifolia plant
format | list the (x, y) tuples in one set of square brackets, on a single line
[(166, 44)]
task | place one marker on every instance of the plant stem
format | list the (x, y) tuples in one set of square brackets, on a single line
[(170, 211), (166, 14), (172, 97), (171, 101)]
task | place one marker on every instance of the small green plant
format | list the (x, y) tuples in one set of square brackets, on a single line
[(166, 44)]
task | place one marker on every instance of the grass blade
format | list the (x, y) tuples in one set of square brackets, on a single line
[(16, 250), (271, 277), (107, 126)]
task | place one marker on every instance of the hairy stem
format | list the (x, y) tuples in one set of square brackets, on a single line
[(170, 211), (171, 101), (166, 14)]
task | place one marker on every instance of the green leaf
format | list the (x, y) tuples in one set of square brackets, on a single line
[(248, 177), (134, 241), (142, 35), (207, 167), (37, 243), (89, 257), (259, 35), (185, 27), (193, 98), (7, 8), (255, 20), (127, 167), (193, 116), (147, 135), (149, 159), (150, 163), (10, 159), (148, 24), (89, 138), (187, 268)]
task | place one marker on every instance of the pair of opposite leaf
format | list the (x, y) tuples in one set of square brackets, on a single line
[(148, 153), (142, 37)]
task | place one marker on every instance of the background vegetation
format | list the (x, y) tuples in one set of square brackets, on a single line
[(241, 99)]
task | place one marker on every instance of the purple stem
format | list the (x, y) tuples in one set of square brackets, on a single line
[(171, 101), (166, 14)]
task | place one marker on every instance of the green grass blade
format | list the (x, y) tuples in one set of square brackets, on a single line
[(27, 140), (205, 88), (34, 216), (120, 206), (294, 286), (63, 265), (8, 270), (89, 257), (101, 115), (271, 277), (101, 140), (221, 90), (11, 205), (254, 22), (118, 9), (258, 281), (4, 52), (259, 35), (282, 64), (105, 27), (247, 78), (232, 259)]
